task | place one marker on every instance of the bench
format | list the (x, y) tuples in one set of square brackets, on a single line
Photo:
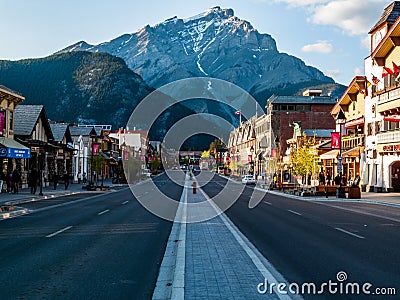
[(329, 189)]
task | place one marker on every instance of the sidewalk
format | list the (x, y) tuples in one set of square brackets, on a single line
[(24, 195), (213, 259), (389, 199)]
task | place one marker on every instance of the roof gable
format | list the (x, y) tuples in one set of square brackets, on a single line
[(26, 118), (389, 15)]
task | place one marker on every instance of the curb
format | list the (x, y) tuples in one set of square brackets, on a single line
[(13, 214), (22, 211)]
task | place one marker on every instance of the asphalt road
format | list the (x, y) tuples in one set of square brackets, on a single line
[(310, 242), (101, 247)]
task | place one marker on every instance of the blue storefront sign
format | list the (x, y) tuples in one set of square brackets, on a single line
[(15, 153)]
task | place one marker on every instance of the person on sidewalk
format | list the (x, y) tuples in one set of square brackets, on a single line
[(55, 181), (16, 180), (328, 178), (66, 180), (33, 180), (321, 178), (9, 182), (2, 179)]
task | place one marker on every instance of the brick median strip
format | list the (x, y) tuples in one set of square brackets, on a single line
[(185, 246)]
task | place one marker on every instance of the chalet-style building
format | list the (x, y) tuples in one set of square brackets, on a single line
[(32, 128), (382, 111), (63, 148), (352, 106), (83, 141)]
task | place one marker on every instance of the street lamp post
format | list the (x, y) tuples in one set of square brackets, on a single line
[(340, 120), (41, 175), (252, 161)]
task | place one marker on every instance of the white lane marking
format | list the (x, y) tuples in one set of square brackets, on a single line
[(103, 212), (58, 232), (349, 233), (266, 202), (172, 268), (123, 203), (294, 212)]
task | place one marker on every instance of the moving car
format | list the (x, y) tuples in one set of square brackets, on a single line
[(248, 179)]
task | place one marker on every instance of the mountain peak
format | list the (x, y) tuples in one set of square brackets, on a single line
[(214, 12)]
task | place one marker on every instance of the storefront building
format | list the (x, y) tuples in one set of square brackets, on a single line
[(383, 109), (12, 153)]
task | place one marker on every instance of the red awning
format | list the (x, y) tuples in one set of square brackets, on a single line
[(394, 118), (355, 122)]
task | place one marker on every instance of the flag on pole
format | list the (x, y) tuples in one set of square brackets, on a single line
[(375, 79), (238, 112), (395, 68), (386, 71)]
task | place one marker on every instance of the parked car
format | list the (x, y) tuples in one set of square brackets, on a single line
[(248, 179)]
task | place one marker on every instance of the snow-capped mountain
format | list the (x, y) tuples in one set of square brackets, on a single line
[(215, 43)]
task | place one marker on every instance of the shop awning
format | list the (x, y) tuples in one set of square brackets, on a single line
[(10, 148), (329, 155), (394, 118), (354, 152)]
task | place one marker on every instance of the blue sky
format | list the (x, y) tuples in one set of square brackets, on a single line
[(329, 35)]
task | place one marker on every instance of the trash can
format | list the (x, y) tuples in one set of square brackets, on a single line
[(355, 193)]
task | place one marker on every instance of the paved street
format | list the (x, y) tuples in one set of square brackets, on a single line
[(312, 242), (103, 246), (107, 246)]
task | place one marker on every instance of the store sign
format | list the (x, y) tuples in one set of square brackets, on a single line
[(388, 148)]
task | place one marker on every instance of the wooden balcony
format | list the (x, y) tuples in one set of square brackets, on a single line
[(352, 141)]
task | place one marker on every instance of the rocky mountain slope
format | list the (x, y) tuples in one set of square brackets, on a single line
[(215, 44), (77, 87)]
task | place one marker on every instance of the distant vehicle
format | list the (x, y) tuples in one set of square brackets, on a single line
[(175, 168), (146, 173), (248, 179), (204, 165), (183, 167), (196, 168)]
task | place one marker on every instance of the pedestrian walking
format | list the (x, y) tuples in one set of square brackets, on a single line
[(16, 178), (2, 179), (55, 181), (33, 180), (66, 180), (9, 181)]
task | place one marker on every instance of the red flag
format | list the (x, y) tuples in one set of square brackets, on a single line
[(386, 71), (395, 68), (237, 112), (375, 79)]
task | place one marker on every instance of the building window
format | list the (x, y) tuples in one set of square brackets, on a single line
[(11, 120), (370, 128), (377, 127), (304, 107)]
